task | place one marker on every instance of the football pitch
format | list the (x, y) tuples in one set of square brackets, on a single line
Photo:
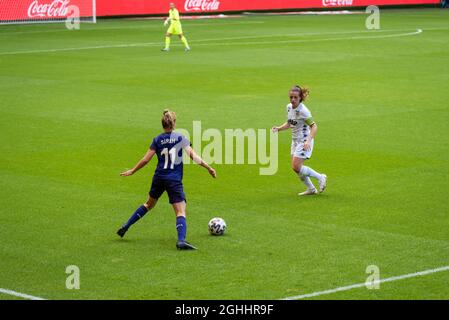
[(79, 107)]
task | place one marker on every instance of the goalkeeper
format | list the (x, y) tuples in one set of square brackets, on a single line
[(175, 28)]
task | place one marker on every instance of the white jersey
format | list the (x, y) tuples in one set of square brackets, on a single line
[(299, 119)]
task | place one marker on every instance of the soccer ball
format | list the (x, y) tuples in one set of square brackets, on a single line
[(217, 226)]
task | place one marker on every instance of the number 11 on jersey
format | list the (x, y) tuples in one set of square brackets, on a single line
[(165, 152)]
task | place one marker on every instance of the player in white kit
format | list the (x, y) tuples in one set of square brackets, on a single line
[(304, 129)]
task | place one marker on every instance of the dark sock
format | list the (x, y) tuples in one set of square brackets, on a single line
[(139, 213), (181, 227)]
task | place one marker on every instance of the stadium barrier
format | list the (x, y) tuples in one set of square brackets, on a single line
[(26, 11), (158, 7), (40, 11)]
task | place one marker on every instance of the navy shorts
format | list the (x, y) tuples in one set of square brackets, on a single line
[(174, 190)]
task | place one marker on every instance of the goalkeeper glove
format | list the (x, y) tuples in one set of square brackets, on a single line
[(166, 21)]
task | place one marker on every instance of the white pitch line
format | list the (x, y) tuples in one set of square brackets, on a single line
[(360, 285), (143, 44), (302, 34), (18, 294), (418, 31), (203, 24)]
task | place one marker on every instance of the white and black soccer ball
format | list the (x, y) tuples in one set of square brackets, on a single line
[(217, 226)]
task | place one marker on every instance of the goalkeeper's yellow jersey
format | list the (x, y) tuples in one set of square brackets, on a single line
[(174, 16)]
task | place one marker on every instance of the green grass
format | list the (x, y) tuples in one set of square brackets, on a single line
[(71, 121)]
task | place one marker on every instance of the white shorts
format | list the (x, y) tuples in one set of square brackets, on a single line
[(297, 150)]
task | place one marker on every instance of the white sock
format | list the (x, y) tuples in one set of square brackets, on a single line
[(309, 172), (307, 182)]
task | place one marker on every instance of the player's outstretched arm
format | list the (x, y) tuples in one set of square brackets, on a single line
[(283, 127), (192, 154), (142, 163)]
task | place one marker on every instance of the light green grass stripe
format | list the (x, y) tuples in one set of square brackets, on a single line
[(144, 44)]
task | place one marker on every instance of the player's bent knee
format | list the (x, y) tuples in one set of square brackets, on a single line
[(151, 202), (180, 208), (296, 164)]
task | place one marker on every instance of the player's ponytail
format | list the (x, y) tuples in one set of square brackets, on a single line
[(168, 119), (302, 92)]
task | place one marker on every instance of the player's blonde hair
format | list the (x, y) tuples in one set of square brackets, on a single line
[(303, 92), (168, 119)]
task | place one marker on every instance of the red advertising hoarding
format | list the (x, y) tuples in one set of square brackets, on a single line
[(43, 9), (137, 7), (58, 9)]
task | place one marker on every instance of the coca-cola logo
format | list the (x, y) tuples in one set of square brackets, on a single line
[(337, 3), (201, 5), (58, 8)]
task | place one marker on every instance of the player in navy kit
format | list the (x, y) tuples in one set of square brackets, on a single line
[(168, 147)]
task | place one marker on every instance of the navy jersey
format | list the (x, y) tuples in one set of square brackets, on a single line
[(168, 147)]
